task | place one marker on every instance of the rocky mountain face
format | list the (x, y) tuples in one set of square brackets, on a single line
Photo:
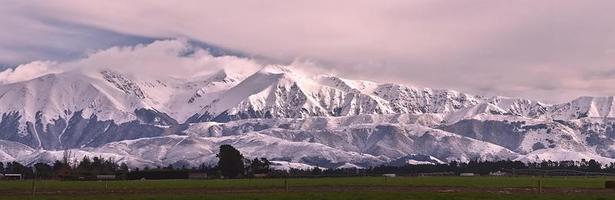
[(288, 117)]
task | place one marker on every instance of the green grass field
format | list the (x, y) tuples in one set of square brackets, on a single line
[(478, 182), (331, 195), (310, 188)]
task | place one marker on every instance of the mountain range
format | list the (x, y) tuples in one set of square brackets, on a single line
[(292, 118)]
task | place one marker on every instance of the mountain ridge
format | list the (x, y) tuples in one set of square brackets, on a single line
[(363, 123)]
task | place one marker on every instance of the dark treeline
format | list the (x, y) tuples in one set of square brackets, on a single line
[(88, 168), (233, 165), (487, 167)]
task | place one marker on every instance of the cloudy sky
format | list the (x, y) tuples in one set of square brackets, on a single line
[(548, 50)]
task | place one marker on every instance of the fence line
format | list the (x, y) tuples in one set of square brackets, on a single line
[(555, 172)]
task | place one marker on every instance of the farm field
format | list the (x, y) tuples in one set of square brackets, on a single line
[(318, 188)]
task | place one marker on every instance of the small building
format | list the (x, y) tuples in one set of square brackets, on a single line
[(13, 177), (389, 175), (260, 175), (498, 173), (106, 177), (437, 174), (467, 174), (197, 176)]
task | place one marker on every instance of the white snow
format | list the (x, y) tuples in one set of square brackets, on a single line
[(349, 166), (414, 162), (284, 165), (557, 154), (325, 116)]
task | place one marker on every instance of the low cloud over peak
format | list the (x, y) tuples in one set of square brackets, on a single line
[(175, 58)]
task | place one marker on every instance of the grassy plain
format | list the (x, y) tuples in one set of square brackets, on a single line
[(318, 188)]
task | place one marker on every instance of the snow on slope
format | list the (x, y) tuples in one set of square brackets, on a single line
[(179, 98), (292, 117), (110, 95), (284, 165), (59, 95), (349, 166), (198, 92), (473, 111), (593, 107), (195, 150), (272, 91), (276, 91), (76, 155), (562, 154), (368, 134), (365, 87), (192, 150), (414, 162), (11, 151), (520, 107)]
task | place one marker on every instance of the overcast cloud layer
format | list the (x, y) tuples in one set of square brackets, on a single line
[(546, 50)]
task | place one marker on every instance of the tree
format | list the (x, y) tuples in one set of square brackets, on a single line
[(316, 171), (43, 170), (124, 167), (15, 168), (85, 164), (61, 169), (259, 166), (594, 166), (18, 168), (230, 161)]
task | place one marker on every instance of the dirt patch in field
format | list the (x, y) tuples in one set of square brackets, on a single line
[(438, 189)]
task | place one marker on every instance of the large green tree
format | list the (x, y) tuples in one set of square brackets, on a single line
[(230, 161)]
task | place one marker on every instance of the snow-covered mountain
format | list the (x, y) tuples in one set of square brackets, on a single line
[(289, 117)]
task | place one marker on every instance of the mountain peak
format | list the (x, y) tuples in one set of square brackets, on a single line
[(283, 108), (594, 106), (275, 69)]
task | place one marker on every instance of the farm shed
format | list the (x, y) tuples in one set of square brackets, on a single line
[(467, 174), (389, 175), (106, 177), (197, 176), (13, 176)]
